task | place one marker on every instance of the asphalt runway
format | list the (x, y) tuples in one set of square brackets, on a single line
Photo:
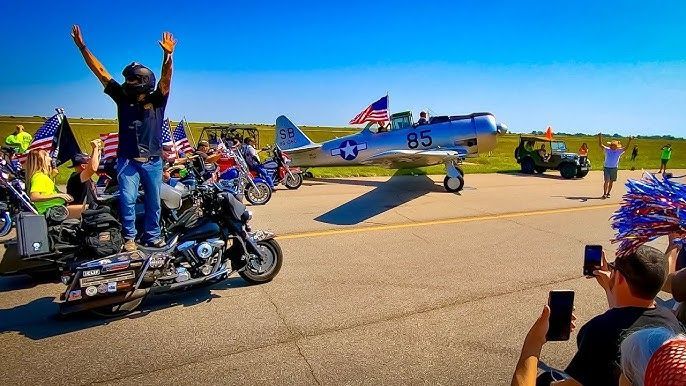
[(384, 281)]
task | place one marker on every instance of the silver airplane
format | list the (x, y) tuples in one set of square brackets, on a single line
[(444, 140)]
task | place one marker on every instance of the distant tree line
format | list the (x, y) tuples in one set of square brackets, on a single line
[(615, 135)]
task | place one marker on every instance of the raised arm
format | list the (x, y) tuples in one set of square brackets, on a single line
[(167, 43), (96, 67), (94, 162), (600, 141), (628, 144)]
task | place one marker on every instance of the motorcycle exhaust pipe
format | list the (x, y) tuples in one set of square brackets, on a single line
[(67, 309)]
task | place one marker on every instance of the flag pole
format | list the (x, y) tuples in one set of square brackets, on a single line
[(171, 135), (190, 132), (56, 148)]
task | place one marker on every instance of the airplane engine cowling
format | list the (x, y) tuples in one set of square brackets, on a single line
[(486, 130)]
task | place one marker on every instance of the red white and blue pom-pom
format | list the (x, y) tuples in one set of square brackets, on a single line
[(651, 208)]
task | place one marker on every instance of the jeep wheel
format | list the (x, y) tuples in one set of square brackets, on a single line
[(581, 173), (567, 170), (528, 166), (540, 169)]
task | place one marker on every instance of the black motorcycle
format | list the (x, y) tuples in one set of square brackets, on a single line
[(12, 197), (204, 249)]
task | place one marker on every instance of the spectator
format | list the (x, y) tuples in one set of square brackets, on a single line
[(41, 188), (613, 151), (583, 150), (80, 184), (676, 277), (634, 153), (639, 347), (665, 157), (19, 139), (631, 283)]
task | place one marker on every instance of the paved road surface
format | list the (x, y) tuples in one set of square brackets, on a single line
[(384, 282)]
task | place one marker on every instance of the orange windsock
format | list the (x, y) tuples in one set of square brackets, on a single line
[(549, 133)]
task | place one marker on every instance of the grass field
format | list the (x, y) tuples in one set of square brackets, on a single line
[(501, 159)]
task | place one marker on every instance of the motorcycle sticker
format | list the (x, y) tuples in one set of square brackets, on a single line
[(91, 291), (112, 286), (74, 295), (102, 288), (91, 272), (116, 266)]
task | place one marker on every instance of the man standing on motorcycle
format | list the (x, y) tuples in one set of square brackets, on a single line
[(140, 113)]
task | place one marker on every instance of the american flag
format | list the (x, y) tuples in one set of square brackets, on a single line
[(376, 112), (45, 137), (110, 142), (167, 140), (180, 139)]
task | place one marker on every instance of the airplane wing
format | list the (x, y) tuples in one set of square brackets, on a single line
[(398, 159)]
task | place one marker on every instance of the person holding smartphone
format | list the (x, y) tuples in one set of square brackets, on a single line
[(630, 283)]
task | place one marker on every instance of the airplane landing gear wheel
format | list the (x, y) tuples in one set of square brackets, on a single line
[(453, 184)]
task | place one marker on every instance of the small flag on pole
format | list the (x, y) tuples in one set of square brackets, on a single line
[(549, 133), (376, 112), (45, 137), (180, 139)]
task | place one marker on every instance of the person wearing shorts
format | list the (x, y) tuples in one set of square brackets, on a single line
[(613, 151)]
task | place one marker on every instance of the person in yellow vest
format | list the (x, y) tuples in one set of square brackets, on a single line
[(665, 157), (19, 140)]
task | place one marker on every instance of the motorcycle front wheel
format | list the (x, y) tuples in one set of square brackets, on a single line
[(259, 194), (5, 223), (263, 269), (293, 182)]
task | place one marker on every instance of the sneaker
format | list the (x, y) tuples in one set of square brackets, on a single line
[(159, 243), (130, 245)]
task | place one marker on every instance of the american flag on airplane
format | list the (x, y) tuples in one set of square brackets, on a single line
[(110, 144), (45, 137), (180, 139), (376, 112)]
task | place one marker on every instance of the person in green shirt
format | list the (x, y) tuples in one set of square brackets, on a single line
[(665, 157), (19, 140), (41, 188)]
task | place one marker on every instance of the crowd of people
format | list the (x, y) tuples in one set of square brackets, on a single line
[(617, 346)]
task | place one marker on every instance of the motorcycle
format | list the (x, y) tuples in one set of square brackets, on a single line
[(203, 250), (13, 199), (279, 171), (239, 180)]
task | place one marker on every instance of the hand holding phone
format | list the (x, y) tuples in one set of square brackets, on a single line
[(593, 255), (561, 305)]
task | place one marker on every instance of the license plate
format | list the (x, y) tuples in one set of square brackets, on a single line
[(97, 280)]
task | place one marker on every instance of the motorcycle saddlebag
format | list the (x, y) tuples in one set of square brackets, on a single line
[(101, 232), (32, 235)]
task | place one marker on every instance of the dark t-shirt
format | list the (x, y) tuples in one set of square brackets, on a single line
[(140, 123), (597, 359), (80, 190)]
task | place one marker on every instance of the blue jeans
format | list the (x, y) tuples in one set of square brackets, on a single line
[(130, 174)]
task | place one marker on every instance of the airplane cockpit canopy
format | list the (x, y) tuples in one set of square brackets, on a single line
[(401, 120)]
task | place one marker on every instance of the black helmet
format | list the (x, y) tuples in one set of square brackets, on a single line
[(144, 77)]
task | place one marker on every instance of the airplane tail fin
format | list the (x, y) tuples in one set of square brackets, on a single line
[(289, 136)]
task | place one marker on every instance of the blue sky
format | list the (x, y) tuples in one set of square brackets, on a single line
[(615, 66)]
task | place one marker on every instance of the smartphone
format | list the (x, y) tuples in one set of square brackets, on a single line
[(593, 255), (561, 305)]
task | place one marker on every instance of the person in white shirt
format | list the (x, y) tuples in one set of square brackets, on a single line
[(613, 151)]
